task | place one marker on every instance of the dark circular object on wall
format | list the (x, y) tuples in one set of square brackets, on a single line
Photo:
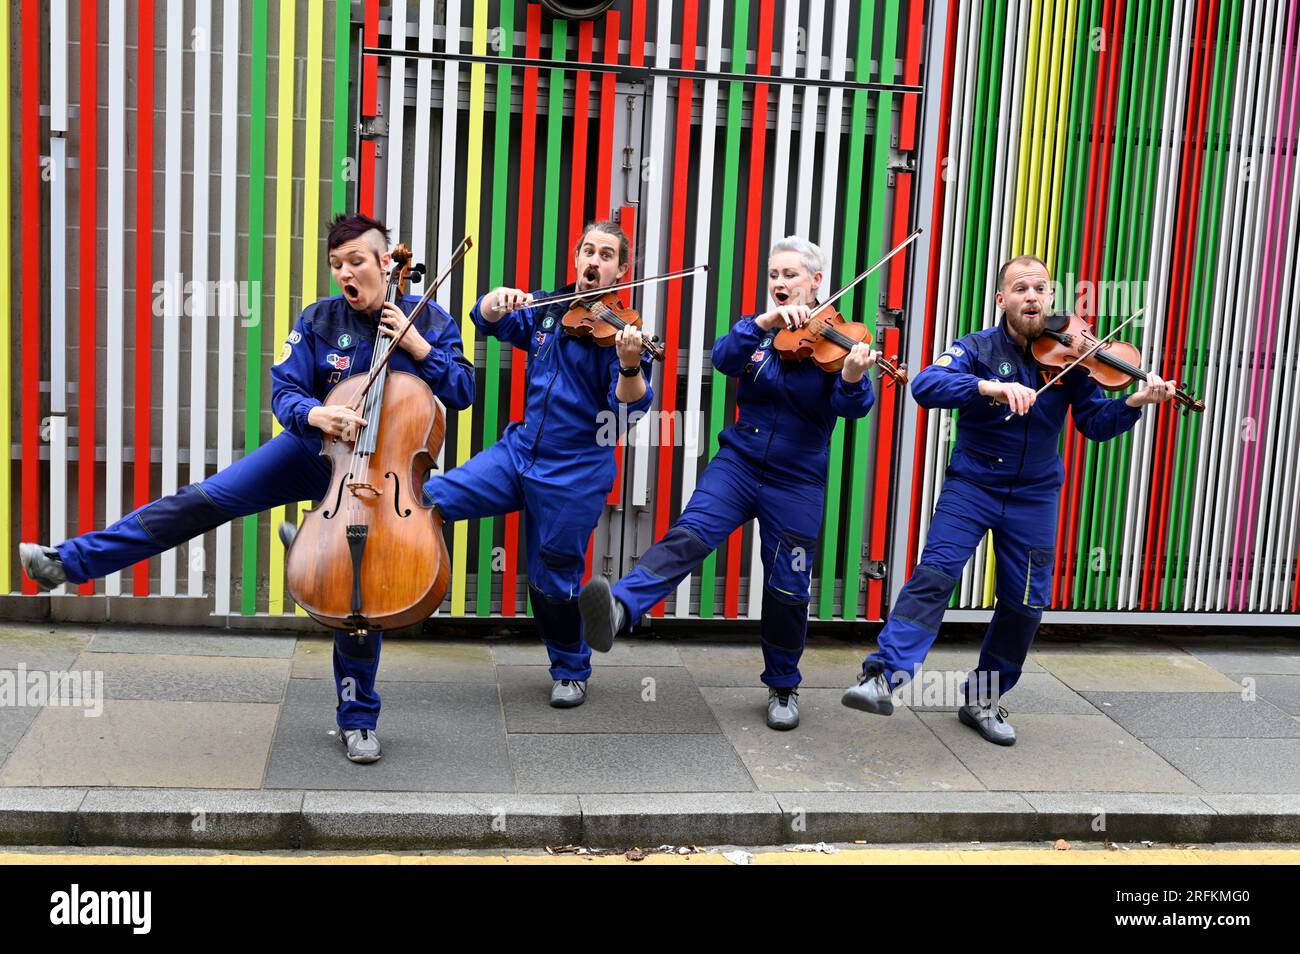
[(575, 10)]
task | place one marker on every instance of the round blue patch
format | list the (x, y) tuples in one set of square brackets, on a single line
[(765, 343), (345, 341), (1004, 368), (546, 323)]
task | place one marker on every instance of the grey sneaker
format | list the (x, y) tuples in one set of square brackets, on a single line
[(602, 614), (42, 565), (363, 744), (989, 721), (568, 693), (871, 694), (782, 709), (287, 532)]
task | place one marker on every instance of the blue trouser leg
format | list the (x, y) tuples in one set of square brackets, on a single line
[(356, 661), (284, 470), (1024, 545), (789, 518), (724, 498), (558, 522), (963, 514)]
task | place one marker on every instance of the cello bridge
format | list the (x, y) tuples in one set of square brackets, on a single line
[(362, 488)]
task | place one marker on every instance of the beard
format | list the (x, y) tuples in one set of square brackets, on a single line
[(1030, 326)]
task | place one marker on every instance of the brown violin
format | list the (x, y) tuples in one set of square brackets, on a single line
[(371, 554), (1068, 340), (827, 338)]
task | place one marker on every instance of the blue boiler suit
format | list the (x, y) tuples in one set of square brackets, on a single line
[(557, 466), (329, 342), (771, 464), (1003, 476)]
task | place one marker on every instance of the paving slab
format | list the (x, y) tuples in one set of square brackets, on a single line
[(1134, 672), (36, 647), (14, 722), (1060, 753), (436, 737), (620, 699), (1034, 692), (1252, 662), (736, 664), (835, 748), (167, 642), (405, 660), (636, 651), (1282, 691), (1236, 765), (190, 678), (146, 744), (636, 764), (1194, 715), (417, 820)]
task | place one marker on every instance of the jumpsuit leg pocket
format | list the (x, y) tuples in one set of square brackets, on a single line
[(1038, 577), (790, 573)]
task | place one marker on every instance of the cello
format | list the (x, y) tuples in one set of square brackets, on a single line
[(371, 553)]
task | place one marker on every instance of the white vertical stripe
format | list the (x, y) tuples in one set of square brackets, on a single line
[(173, 279), (419, 237), (58, 432), (784, 120), (656, 235), (808, 122), (830, 189), (230, 304), (58, 66), (700, 310), (395, 107), (195, 554), (114, 273)]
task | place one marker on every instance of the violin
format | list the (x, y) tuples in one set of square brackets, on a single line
[(828, 338), (371, 553), (1068, 340), (601, 317)]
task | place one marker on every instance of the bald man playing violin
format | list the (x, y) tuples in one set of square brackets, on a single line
[(1004, 476), (557, 464)]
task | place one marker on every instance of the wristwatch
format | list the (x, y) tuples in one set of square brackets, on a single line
[(631, 372)]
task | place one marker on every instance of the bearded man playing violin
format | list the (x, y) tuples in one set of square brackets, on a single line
[(1004, 476), (332, 339), (552, 465), (771, 465)]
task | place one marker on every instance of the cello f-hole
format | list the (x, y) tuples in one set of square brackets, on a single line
[(397, 493), (327, 514)]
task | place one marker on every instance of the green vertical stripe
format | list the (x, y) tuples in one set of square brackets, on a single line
[(496, 277), (552, 262), (726, 269), (256, 228), (342, 68), (1194, 369)]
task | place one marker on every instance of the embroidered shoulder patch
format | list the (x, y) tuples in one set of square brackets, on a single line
[(943, 360)]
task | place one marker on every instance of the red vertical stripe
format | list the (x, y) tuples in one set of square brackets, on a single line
[(1181, 282), (523, 266), (605, 152), (935, 238), (752, 253), (636, 49), (879, 490), (369, 106), (578, 149), (907, 122), (143, 276), (33, 297), (86, 389)]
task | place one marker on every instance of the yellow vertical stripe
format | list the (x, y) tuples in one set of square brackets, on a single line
[(1026, 122), (311, 166), (283, 255), (6, 305), (1062, 137), (469, 294), (1034, 199)]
